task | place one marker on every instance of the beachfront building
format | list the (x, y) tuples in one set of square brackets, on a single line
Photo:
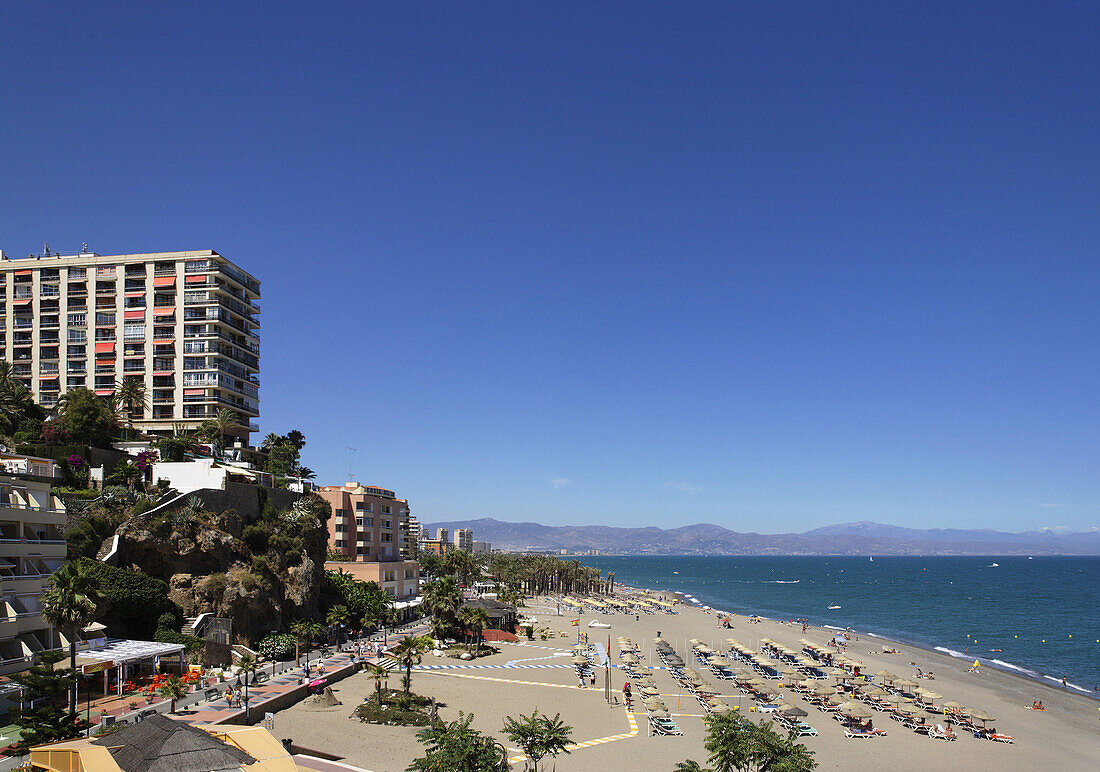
[(159, 743), (184, 323), (442, 534), (434, 546), (481, 548), (32, 546), (369, 529)]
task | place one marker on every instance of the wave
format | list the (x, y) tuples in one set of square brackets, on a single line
[(952, 652), (781, 581), (872, 635), (833, 627), (1017, 668)]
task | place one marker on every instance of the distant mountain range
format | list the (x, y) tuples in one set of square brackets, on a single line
[(862, 538)]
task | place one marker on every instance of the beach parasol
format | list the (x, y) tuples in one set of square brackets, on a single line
[(659, 712), (853, 709), (952, 705), (580, 661), (982, 716), (823, 689), (905, 682), (651, 690), (929, 695), (886, 675), (794, 712), (653, 702)]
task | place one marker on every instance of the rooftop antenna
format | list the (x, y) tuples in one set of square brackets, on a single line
[(84, 247), (351, 456)]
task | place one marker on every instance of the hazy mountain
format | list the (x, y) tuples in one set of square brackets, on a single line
[(863, 538)]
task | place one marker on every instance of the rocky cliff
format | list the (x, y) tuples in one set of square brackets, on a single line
[(262, 572)]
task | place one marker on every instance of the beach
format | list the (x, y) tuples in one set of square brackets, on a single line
[(537, 674)]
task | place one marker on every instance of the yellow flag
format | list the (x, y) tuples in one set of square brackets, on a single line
[(576, 622), (976, 663)]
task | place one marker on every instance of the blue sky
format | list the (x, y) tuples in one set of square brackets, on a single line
[(770, 266)]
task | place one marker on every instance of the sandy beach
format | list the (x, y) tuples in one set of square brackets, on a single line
[(525, 676)]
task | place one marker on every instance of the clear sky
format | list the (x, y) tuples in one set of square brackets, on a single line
[(766, 265)]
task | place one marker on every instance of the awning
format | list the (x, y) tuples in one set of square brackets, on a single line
[(24, 272), (104, 392), (139, 314), (164, 281), (104, 345), (194, 392), (164, 311), (200, 279), (134, 293), (22, 301)]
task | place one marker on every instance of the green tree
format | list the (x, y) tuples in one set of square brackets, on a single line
[(430, 564), (130, 397), (738, 744), (304, 631), (538, 736), (690, 766), (442, 597), (455, 747), (474, 619), (247, 666), (43, 719), (378, 674), (88, 419), (173, 689), (462, 565), (176, 448), (70, 604), (410, 652)]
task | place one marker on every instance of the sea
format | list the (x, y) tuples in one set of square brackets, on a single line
[(1038, 617)]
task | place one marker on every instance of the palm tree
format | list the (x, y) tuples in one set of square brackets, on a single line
[(173, 689), (228, 424), (246, 664), (338, 619), (474, 619), (378, 673), (130, 395), (538, 736), (70, 604), (442, 597), (301, 630), (270, 441), (408, 653)]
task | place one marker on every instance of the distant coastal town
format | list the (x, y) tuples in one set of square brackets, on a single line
[(183, 592)]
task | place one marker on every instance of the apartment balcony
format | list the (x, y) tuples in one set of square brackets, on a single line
[(77, 291), (37, 548), (49, 291)]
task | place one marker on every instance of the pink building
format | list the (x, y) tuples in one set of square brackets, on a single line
[(370, 528)]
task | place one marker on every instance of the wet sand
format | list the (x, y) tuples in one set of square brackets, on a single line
[(1064, 737)]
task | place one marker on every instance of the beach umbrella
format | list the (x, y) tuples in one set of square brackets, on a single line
[(854, 709), (876, 692), (953, 705), (930, 696), (921, 714), (794, 712), (653, 702), (659, 713), (886, 675), (789, 671), (579, 661), (823, 689), (982, 716), (650, 690), (905, 682)]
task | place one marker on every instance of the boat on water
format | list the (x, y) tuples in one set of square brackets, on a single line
[(995, 565), (833, 606)]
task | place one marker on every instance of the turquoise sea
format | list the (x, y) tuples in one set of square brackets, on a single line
[(1043, 614)]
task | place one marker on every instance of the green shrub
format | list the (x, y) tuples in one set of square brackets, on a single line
[(256, 537), (132, 603), (141, 506), (213, 584)]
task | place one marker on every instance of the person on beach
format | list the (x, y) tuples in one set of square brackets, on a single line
[(1064, 685)]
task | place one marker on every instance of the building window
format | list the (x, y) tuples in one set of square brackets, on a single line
[(389, 576), (386, 509), (341, 543), (341, 528), (387, 537), (362, 506), (410, 573), (362, 551)]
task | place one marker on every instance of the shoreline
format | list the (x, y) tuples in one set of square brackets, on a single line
[(1040, 679)]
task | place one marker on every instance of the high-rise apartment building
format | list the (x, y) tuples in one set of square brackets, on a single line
[(182, 322), (370, 529), (464, 539)]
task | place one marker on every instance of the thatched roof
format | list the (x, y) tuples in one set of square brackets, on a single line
[(159, 744)]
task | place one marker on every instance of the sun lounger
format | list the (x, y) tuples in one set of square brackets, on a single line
[(664, 726), (858, 734), (939, 733), (1002, 738)]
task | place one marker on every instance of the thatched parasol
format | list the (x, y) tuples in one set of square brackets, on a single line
[(982, 716), (853, 709)]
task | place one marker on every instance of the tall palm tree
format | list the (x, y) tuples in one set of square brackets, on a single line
[(442, 597), (474, 619), (338, 618), (130, 396), (410, 652), (70, 604), (228, 423), (247, 665)]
